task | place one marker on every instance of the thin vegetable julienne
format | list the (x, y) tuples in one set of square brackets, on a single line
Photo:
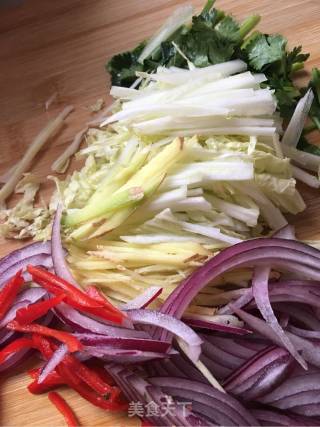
[(75, 297), (15, 346), (26, 315), (64, 408), (9, 292), (72, 342)]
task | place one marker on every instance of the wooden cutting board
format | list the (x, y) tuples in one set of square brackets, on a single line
[(61, 46)]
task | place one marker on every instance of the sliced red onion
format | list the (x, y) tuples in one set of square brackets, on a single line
[(25, 298), (58, 255), (260, 374), (283, 253), (124, 343), (15, 359), (211, 398), (242, 301), (236, 347), (136, 389), (260, 292), (23, 253), (169, 323), (299, 312), (42, 259), (203, 324), (56, 358), (143, 300), (310, 352), (123, 356), (82, 323), (275, 418), (221, 357), (5, 336), (304, 333)]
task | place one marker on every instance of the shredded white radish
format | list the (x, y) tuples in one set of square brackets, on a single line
[(179, 17), (50, 101), (24, 164), (305, 177), (60, 165), (294, 130)]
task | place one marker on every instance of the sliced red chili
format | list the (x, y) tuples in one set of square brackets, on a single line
[(9, 292), (45, 347), (75, 297), (26, 315), (72, 342), (87, 393), (90, 377), (14, 347), (64, 408), (99, 296)]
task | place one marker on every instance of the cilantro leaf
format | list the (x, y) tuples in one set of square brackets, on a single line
[(264, 50), (123, 66), (228, 30), (295, 57)]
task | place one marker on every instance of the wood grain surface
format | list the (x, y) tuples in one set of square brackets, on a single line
[(49, 46)]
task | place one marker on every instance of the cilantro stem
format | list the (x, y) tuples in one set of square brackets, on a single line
[(248, 25), (297, 66)]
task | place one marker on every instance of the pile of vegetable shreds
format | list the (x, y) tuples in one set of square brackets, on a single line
[(264, 371), (254, 360)]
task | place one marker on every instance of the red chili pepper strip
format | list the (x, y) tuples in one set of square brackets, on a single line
[(90, 377), (99, 296), (87, 393), (79, 296), (9, 293), (45, 347), (75, 297), (26, 315), (64, 408), (96, 310), (14, 347), (72, 342), (145, 423), (53, 380)]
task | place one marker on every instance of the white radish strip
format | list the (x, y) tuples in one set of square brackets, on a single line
[(270, 213), (179, 17), (166, 199), (217, 171), (192, 204), (147, 239), (301, 158), (195, 192), (305, 177), (239, 81), (24, 164), (164, 109), (246, 215), (212, 72), (60, 165), (294, 130), (173, 123), (245, 130), (123, 92)]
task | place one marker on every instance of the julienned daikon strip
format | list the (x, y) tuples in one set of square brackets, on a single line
[(247, 215), (295, 127), (179, 17), (212, 72), (305, 177), (24, 164), (213, 232), (243, 130), (60, 165), (301, 158)]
